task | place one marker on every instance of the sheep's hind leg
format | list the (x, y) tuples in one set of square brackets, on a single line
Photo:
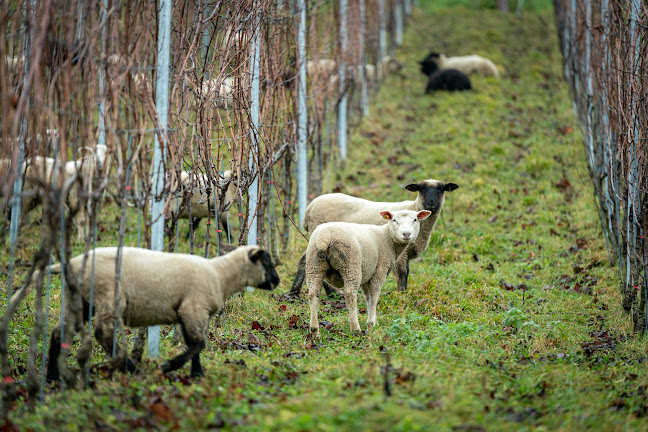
[(300, 275)]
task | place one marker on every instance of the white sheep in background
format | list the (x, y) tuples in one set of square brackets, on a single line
[(204, 198), (219, 90), (14, 63), (141, 82), (344, 208), (321, 68), (469, 64), (156, 288), (39, 170), (357, 256), (386, 66)]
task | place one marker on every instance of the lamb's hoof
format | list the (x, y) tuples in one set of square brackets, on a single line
[(315, 334), (197, 374), (130, 366), (166, 367)]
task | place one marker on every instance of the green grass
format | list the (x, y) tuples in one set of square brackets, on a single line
[(512, 320)]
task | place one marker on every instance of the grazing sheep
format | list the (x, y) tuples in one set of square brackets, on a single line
[(157, 288), (14, 63), (470, 64), (338, 207), (357, 256), (141, 81), (204, 198), (321, 67), (448, 79), (39, 170), (220, 90)]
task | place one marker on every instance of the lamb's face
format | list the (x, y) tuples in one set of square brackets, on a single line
[(432, 193), (404, 225), (263, 272)]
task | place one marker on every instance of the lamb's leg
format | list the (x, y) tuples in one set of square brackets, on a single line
[(299, 277), (373, 292), (314, 284), (351, 285), (194, 323)]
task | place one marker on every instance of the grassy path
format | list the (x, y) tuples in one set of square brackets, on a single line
[(512, 320)]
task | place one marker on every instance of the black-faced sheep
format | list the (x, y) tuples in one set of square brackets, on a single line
[(469, 64), (449, 80), (357, 256), (157, 288), (344, 208)]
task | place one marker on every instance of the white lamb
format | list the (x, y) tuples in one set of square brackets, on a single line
[(156, 288), (357, 256), (344, 208)]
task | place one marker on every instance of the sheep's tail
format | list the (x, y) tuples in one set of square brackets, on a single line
[(22, 292), (332, 251)]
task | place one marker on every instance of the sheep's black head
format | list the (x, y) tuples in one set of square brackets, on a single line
[(262, 258), (430, 64), (431, 193)]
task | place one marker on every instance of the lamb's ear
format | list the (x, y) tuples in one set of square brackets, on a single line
[(256, 254), (386, 215), (449, 187), (423, 214), (413, 187)]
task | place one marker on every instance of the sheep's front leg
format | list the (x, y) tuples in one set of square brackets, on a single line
[(105, 335), (351, 285), (53, 372), (314, 283), (401, 271), (194, 323)]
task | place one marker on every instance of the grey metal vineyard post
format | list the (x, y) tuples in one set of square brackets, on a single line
[(342, 106), (302, 129), (159, 153), (254, 168), (398, 17), (364, 97)]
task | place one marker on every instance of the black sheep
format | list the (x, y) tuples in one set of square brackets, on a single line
[(448, 79)]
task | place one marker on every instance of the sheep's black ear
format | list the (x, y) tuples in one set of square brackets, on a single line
[(413, 187), (256, 255), (449, 187)]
